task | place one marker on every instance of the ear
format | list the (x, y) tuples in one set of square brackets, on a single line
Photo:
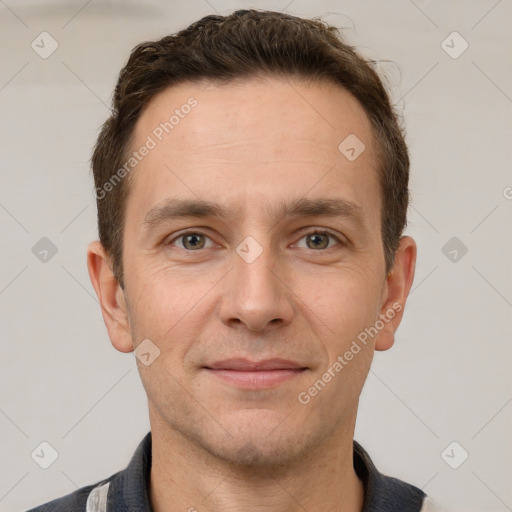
[(395, 291), (111, 297)]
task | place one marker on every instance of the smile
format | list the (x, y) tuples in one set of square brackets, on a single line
[(255, 375)]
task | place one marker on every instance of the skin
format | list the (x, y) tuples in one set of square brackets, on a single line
[(245, 146)]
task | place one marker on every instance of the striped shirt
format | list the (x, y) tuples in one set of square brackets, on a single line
[(128, 490)]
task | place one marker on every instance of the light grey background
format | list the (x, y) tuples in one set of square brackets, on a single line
[(448, 378)]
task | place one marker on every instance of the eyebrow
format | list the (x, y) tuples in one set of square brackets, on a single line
[(177, 208)]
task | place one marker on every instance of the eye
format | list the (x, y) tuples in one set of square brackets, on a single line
[(317, 239), (191, 240)]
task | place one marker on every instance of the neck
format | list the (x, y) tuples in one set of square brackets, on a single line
[(185, 477)]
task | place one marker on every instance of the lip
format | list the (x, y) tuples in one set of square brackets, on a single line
[(248, 374), (245, 365)]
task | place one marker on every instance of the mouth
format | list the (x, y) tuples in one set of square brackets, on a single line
[(247, 374)]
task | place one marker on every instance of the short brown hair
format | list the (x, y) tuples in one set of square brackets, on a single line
[(242, 45)]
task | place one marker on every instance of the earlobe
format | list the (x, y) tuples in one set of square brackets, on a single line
[(396, 290), (110, 296)]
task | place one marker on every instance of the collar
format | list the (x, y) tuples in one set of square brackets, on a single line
[(130, 487)]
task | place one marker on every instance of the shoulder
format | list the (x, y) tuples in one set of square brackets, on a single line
[(90, 497), (126, 490), (385, 493), (396, 495), (430, 505)]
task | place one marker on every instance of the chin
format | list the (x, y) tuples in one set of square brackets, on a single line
[(260, 439), (253, 455)]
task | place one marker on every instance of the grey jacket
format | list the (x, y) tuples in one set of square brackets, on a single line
[(128, 490)]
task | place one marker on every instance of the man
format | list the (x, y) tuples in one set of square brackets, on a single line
[(252, 189)]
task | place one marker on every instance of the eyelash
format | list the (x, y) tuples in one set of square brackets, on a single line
[(311, 231)]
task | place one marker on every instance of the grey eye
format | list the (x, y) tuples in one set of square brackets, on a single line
[(191, 241)]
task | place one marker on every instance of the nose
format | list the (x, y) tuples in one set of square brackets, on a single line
[(256, 294)]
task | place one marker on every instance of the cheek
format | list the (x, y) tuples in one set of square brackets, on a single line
[(167, 312), (158, 306), (170, 307), (345, 300), (347, 308)]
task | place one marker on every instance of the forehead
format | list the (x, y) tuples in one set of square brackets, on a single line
[(262, 106), (264, 137)]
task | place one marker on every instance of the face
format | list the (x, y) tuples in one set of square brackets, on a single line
[(261, 289)]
